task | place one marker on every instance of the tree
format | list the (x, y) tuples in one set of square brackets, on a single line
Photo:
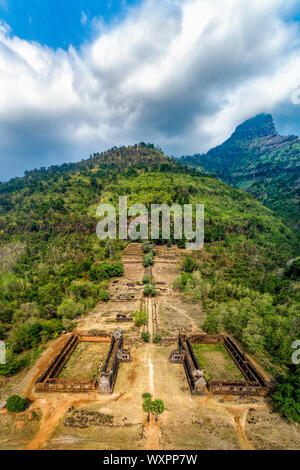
[(99, 272), (157, 339), (70, 309), (292, 270), (16, 404), (104, 295), (146, 336), (148, 260), (157, 408), (140, 317), (286, 398), (146, 395), (147, 290), (150, 290), (252, 335), (148, 247), (147, 279), (188, 264), (13, 364)]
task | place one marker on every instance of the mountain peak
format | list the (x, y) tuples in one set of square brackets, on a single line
[(261, 125)]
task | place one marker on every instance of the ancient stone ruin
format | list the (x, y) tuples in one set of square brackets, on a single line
[(115, 356), (120, 318), (49, 381)]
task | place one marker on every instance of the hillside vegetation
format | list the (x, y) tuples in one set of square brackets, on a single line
[(255, 158), (54, 268)]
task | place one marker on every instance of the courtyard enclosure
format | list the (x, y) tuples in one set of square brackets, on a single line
[(52, 378), (251, 380)]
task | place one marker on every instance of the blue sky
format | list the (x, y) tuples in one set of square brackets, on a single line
[(179, 73), (62, 22)]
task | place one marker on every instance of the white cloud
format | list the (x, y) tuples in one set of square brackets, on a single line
[(181, 74)]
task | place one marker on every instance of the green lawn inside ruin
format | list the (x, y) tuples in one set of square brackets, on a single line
[(217, 363), (85, 362)]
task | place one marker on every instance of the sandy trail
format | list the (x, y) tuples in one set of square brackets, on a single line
[(150, 308), (52, 412), (239, 414), (153, 435), (152, 429), (239, 425), (151, 376)]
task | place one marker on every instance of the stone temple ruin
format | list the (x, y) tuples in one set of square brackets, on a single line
[(49, 380), (255, 383), (115, 356)]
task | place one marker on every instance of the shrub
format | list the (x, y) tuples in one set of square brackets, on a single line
[(286, 398), (83, 289), (181, 243), (99, 272), (34, 415), (26, 336), (104, 295), (13, 364), (27, 311), (147, 290), (157, 407), (69, 325), (150, 290), (2, 332), (292, 270), (157, 339), (146, 279), (140, 318), (153, 291), (146, 336), (29, 335), (51, 328), (146, 396), (182, 281), (70, 309), (148, 260), (147, 247), (90, 302), (16, 404), (188, 264)]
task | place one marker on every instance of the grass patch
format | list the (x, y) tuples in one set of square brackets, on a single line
[(85, 362), (216, 362)]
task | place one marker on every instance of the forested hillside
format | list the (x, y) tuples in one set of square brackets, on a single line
[(54, 268), (255, 158)]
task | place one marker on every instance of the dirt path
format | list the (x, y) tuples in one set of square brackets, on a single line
[(151, 309), (151, 376), (53, 409), (239, 414), (52, 412), (153, 435), (152, 429), (239, 425)]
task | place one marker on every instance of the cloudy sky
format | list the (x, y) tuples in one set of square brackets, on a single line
[(80, 76)]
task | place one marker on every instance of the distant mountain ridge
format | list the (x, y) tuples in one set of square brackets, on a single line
[(257, 159)]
